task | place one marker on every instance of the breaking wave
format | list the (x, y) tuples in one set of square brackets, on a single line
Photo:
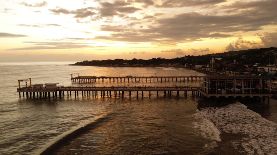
[(259, 134), (71, 134)]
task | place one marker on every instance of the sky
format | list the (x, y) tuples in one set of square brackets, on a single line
[(74, 30)]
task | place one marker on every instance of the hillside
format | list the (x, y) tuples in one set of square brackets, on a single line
[(262, 57)]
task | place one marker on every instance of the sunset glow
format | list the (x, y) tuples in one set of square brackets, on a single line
[(51, 30)]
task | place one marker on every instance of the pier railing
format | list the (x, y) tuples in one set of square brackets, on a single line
[(131, 79)]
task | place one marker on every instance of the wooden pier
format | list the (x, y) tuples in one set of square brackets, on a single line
[(104, 92), (134, 79), (217, 86)]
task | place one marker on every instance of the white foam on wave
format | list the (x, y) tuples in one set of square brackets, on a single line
[(260, 134), (207, 128)]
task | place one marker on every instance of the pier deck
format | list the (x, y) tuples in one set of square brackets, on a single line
[(117, 91)]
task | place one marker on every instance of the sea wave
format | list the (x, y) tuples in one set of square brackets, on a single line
[(73, 133), (208, 130), (259, 134)]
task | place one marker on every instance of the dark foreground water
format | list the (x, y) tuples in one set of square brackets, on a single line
[(144, 126)]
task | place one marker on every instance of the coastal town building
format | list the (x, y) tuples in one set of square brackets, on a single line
[(235, 86)]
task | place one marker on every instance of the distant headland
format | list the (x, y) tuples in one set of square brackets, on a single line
[(232, 60)]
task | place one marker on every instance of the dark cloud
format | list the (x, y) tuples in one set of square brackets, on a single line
[(188, 26), (186, 3), (79, 13), (145, 2), (178, 3), (40, 4), (195, 26), (128, 36), (117, 8), (51, 45), (62, 11), (112, 28), (10, 35)]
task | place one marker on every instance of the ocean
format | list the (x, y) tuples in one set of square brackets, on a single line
[(126, 126)]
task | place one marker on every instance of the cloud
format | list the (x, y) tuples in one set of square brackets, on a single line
[(137, 53), (199, 51), (40, 4), (252, 16), (40, 25), (178, 3), (178, 52), (6, 10), (192, 51), (117, 8), (10, 35), (28, 25), (79, 13), (187, 3), (57, 25), (145, 2), (51, 45), (196, 25), (269, 39), (187, 26), (241, 44)]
